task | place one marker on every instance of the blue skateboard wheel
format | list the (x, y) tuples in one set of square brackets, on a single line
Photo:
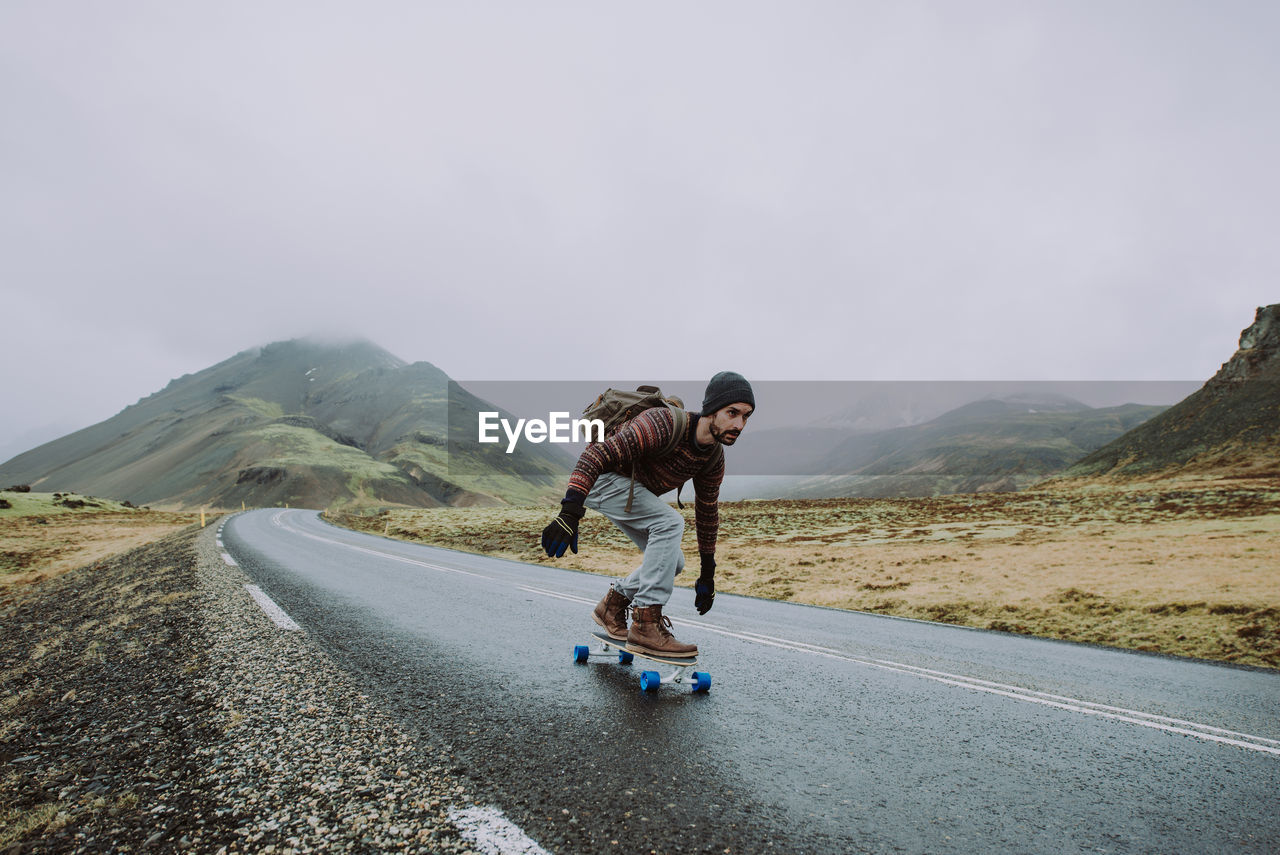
[(650, 680), (580, 653), (625, 658), (701, 681)]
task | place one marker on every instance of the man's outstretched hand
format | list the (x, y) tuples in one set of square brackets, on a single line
[(705, 588), (562, 533)]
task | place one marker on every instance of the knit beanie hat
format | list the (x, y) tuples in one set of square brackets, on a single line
[(727, 387)]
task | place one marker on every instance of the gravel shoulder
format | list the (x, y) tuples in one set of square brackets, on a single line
[(149, 704)]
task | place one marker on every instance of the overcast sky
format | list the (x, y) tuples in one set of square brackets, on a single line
[(951, 190)]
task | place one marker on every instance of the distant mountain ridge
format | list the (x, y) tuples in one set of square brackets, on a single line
[(987, 445), (1229, 427), (308, 423)]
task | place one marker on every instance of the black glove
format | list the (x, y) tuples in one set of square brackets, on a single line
[(562, 533), (705, 587)]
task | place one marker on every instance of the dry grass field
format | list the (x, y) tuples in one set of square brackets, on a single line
[(1190, 569), (46, 534)]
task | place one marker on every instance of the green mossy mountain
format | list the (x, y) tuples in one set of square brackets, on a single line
[(300, 422), (1230, 427)]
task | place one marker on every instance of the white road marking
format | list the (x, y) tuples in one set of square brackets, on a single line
[(401, 559), (492, 833), (1158, 722), (231, 562), (558, 596), (277, 614), (379, 553)]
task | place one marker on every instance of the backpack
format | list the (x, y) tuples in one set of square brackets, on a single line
[(616, 407)]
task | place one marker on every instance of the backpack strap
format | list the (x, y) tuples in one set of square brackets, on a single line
[(681, 418)]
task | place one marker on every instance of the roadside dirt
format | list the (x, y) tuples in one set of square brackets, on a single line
[(100, 714), (148, 704)]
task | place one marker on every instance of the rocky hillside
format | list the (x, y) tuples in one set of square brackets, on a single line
[(300, 422), (1230, 427)]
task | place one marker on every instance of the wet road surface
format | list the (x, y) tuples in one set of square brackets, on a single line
[(824, 731)]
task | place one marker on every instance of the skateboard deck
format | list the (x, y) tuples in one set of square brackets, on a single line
[(699, 681), (665, 660)]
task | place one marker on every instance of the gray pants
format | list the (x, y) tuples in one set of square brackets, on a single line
[(652, 525)]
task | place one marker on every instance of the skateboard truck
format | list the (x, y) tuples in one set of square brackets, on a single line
[(699, 681)]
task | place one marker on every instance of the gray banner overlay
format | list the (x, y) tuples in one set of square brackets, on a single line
[(914, 437)]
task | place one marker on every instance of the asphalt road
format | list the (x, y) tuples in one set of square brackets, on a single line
[(824, 731)]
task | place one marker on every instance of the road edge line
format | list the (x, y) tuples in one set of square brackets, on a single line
[(492, 833), (278, 615)]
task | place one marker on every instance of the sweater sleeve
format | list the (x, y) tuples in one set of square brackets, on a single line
[(706, 506), (646, 434)]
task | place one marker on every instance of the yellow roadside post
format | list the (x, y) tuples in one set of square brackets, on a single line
[(202, 517)]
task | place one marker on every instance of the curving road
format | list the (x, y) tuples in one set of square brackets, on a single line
[(825, 731)]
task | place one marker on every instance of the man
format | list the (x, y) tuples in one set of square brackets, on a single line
[(602, 481)]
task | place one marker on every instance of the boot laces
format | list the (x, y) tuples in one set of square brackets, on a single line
[(662, 623)]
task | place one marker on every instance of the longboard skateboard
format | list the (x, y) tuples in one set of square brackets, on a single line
[(699, 681)]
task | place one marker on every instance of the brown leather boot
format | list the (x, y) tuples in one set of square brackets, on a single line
[(651, 633), (611, 613)]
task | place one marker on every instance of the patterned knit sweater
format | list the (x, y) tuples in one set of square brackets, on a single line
[(638, 444)]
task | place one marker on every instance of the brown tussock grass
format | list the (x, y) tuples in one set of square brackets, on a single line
[(35, 547), (1188, 569)]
